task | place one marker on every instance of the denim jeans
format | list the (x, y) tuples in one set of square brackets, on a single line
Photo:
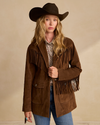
[(62, 120)]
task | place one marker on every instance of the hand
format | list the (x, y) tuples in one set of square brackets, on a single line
[(53, 72), (29, 116)]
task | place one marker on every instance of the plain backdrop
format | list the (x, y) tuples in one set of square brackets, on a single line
[(16, 31)]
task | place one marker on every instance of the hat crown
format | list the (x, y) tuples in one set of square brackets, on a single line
[(51, 8)]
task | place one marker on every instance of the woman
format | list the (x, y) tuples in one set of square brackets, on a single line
[(50, 82)]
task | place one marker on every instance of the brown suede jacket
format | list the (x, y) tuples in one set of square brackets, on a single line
[(36, 97)]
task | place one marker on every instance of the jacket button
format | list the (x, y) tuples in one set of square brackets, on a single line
[(55, 79), (35, 84), (64, 83)]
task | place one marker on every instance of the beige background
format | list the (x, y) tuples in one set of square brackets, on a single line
[(16, 31)]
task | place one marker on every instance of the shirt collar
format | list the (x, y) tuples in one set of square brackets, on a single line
[(50, 42)]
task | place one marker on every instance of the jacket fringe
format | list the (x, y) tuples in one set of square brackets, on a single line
[(63, 87)]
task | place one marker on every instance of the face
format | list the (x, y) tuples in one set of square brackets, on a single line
[(50, 23)]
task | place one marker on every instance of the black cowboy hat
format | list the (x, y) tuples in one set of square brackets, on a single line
[(48, 8)]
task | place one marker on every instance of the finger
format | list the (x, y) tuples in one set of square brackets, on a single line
[(30, 115), (49, 74), (29, 119), (52, 67), (49, 69)]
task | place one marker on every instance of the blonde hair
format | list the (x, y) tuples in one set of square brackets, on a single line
[(39, 35)]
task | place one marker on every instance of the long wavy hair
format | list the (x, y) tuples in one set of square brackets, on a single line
[(39, 35)]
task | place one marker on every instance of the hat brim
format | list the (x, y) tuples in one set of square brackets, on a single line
[(37, 12)]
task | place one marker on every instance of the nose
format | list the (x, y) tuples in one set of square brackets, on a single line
[(51, 22)]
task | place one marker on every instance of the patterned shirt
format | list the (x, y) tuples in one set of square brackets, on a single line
[(49, 47)]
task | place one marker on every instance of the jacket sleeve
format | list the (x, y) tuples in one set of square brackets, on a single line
[(28, 78), (75, 70)]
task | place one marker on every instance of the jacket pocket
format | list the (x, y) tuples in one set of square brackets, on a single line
[(64, 91), (37, 93), (64, 98)]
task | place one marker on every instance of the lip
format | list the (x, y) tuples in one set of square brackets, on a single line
[(51, 28)]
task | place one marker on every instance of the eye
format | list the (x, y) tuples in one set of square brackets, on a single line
[(46, 19), (55, 19)]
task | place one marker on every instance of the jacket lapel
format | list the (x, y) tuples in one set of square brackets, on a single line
[(43, 51), (54, 59), (42, 48)]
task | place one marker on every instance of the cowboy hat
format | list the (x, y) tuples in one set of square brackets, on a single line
[(48, 8)]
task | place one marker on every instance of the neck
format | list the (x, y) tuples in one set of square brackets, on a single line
[(49, 36)]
